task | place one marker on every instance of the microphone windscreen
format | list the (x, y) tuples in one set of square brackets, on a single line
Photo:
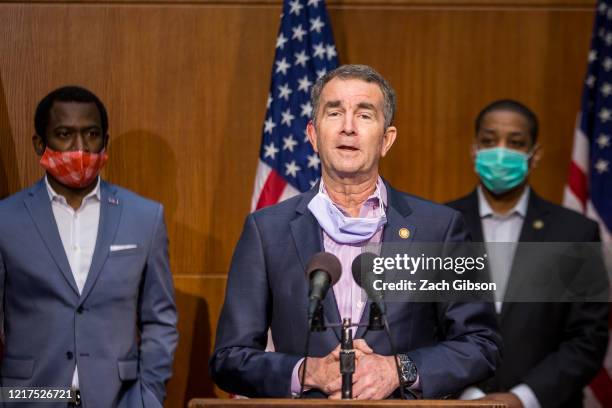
[(324, 261), (362, 267)]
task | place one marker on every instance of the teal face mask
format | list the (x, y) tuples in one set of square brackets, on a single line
[(501, 169)]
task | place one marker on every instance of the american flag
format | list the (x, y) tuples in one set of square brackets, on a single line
[(305, 51), (589, 188)]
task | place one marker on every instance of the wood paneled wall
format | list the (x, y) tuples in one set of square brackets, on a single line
[(185, 83)]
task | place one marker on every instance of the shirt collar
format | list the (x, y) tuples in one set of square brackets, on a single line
[(53, 196), (520, 208)]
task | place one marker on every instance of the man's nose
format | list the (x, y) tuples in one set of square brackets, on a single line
[(501, 143), (79, 143), (348, 125)]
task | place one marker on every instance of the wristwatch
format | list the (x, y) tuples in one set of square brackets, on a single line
[(408, 370)]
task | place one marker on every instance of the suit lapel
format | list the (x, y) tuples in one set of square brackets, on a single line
[(110, 215), (534, 229), (471, 215), (39, 206), (397, 213), (308, 240), (535, 225)]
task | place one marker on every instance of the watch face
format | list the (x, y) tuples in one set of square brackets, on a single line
[(408, 368)]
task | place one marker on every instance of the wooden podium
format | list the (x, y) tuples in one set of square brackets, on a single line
[(309, 403)]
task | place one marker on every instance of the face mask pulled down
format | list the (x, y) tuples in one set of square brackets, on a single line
[(76, 169), (343, 229)]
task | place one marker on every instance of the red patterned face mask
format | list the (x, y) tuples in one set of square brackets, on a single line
[(75, 169)]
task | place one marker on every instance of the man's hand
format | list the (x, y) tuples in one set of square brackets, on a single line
[(375, 375), (322, 372), (510, 399)]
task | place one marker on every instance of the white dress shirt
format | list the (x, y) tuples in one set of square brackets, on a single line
[(501, 234), (78, 230), (504, 228)]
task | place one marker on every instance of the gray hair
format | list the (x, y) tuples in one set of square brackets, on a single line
[(364, 73)]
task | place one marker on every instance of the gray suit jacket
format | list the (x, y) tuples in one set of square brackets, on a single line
[(121, 331)]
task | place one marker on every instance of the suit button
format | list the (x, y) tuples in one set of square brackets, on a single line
[(69, 355), (80, 310)]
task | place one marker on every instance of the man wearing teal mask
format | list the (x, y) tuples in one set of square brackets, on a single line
[(551, 350)]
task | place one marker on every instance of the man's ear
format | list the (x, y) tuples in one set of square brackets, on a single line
[(473, 152), (312, 135), (39, 144), (536, 155), (388, 140)]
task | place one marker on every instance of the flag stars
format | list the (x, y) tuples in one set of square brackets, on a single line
[(606, 89), (314, 161), (590, 81), (270, 151), (284, 92), (313, 182), (289, 143), (292, 169), (298, 33), (319, 50), (269, 101), (301, 58), (604, 115), (607, 64), (296, 7), (269, 125), (280, 41), (282, 66), (331, 52), (321, 72), (313, 3), (608, 39), (609, 14), (592, 56), (601, 166), (304, 84), (316, 24), (306, 109), (287, 117), (602, 8), (603, 140)]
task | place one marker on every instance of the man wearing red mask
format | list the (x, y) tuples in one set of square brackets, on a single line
[(87, 294)]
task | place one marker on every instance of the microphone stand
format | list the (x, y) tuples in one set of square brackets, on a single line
[(347, 353), (347, 359)]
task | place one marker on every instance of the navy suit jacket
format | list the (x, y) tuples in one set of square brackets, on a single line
[(566, 341), (452, 344), (121, 330)]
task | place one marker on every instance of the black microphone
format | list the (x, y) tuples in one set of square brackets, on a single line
[(363, 274), (323, 271)]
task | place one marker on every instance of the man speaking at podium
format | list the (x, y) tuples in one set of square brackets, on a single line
[(442, 346)]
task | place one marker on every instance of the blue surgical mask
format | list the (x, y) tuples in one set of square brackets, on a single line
[(343, 229), (501, 169)]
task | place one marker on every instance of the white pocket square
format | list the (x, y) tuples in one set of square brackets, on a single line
[(114, 248)]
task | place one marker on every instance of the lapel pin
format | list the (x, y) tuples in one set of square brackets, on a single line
[(538, 224), (113, 201), (404, 233)]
